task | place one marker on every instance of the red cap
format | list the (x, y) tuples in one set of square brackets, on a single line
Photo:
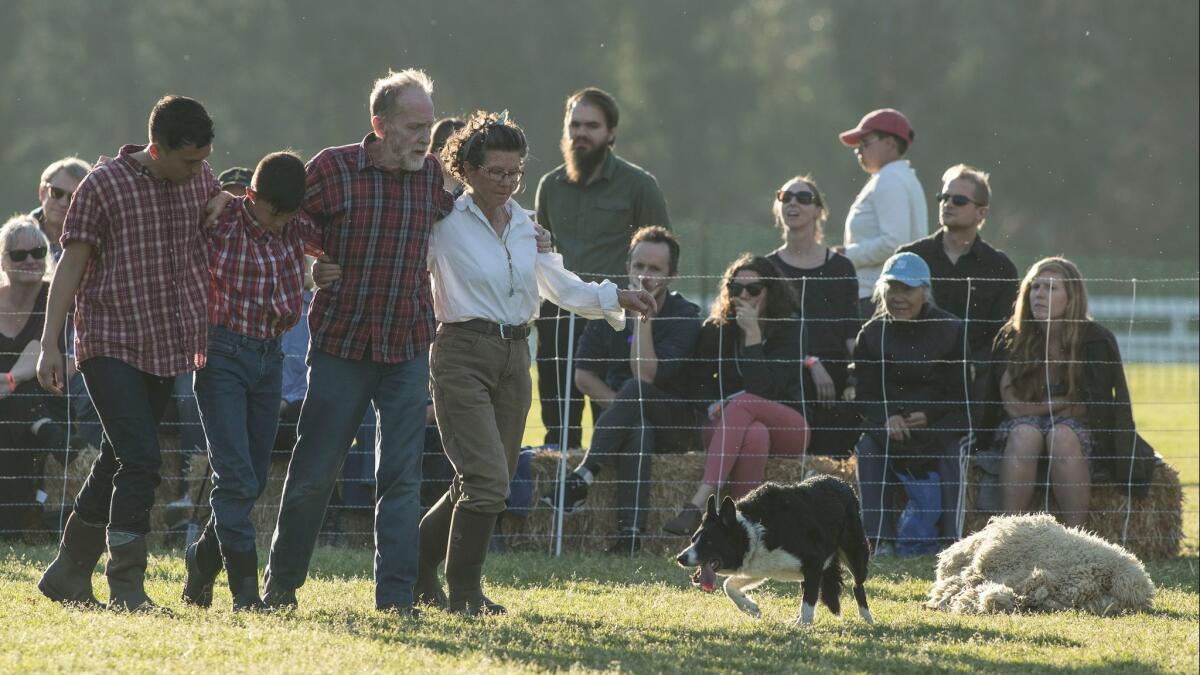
[(887, 120)]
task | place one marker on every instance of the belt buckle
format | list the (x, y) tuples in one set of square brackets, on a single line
[(510, 334)]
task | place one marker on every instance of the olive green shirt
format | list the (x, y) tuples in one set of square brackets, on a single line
[(592, 223)]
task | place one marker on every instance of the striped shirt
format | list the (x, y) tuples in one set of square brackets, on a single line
[(257, 275), (143, 294), (375, 224)]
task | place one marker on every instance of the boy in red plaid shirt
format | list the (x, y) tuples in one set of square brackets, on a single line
[(256, 293)]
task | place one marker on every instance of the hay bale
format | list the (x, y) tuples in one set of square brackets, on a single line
[(673, 480), (1032, 563), (1155, 522)]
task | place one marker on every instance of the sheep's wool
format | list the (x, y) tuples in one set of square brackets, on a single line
[(1032, 563)]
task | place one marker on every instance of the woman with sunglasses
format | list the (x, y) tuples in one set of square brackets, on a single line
[(29, 426), (743, 372), (827, 289)]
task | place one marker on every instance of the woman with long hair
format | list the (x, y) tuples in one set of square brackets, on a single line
[(1062, 391), (744, 374)]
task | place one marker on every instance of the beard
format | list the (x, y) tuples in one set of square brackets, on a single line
[(398, 154), (580, 163)]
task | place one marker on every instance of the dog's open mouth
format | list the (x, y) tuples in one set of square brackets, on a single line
[(705, 576)]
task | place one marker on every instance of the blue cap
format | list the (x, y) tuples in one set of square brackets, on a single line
[(907, 268)]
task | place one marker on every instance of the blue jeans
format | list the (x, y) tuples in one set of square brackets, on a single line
[(339, 391), (119, 490), (876, 482), (238, 394)]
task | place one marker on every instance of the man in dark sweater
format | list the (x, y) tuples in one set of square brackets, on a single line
[(634, 375), (971, 280)]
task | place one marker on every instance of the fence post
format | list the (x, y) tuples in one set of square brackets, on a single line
[(564, 437)]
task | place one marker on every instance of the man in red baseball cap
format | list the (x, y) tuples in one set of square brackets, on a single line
[(890, 210)]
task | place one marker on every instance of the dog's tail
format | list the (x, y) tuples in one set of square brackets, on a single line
[(831, 586), (857, 553)]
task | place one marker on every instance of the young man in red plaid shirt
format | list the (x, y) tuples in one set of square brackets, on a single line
[(374, 205), (256, 264), (134, 263)]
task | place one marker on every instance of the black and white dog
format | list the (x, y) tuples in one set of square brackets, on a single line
[(800, 532)]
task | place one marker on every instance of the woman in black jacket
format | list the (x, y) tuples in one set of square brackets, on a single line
[(908, 360), (1062, 393), (744, 375)]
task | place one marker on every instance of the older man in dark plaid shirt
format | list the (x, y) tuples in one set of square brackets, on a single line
[(374, 204)]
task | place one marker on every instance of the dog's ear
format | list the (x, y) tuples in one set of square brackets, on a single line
[(728, 512), (711, 509)]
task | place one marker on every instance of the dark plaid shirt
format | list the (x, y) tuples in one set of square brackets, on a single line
[(375, 224), (257, 275), (143, 295)]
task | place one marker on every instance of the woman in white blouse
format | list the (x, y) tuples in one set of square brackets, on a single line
[(488, 280)]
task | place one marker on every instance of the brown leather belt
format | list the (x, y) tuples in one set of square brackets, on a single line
[(501, 330)]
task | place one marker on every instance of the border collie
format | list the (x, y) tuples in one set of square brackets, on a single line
[(801, 532)]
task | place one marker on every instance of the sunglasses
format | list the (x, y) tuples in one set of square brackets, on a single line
[(957, 200), (57, 192), (19, 255), (801, 196), (754, 288)]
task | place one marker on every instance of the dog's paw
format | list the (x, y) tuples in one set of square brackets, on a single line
[(748, 606), (807, 612)]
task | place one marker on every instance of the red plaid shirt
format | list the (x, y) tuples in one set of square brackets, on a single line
[(375, 224), (142, 297), (257, 284)]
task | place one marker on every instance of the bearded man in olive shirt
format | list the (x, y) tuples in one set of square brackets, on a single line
[(592, 203)]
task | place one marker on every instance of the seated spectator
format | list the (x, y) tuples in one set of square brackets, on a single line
[(644, 413), (1065, 403), (743, 372), (236, 180), (827, 288), (443, 129), (911, 391), (31, 421)]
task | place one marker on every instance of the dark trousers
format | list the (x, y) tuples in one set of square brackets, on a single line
[(877, 481), (553, 328), (119, 491), (641, 421), (23, 455)]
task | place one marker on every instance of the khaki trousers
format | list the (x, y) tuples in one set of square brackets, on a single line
[(481, 396)]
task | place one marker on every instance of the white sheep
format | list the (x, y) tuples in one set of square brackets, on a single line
[(1032, 563)]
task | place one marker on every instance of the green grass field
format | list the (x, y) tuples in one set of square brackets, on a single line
[(638, 615)]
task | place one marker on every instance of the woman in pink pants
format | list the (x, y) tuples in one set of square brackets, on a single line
[(747, 369)]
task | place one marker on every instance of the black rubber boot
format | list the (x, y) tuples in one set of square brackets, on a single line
[(69, 578), (202, 560), (435, 533), (242, 568), (470, 535), (126, 572), (275, 596)]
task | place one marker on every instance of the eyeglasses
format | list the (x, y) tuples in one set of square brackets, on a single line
[(957, 200), (500, 175), (19, 255), (801, 196), (57, 192), (754, 288)]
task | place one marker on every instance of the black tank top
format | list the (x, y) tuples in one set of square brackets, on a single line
[(11, 347)]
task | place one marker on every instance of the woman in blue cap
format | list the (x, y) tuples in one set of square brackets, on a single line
[(911, 392)]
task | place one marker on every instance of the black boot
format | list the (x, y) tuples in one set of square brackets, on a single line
[(470, 534), (242, 568), (126, 572), (276, 596), (202, 560), (69, 578), (435, 533)]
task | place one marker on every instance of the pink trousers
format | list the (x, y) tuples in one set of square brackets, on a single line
[(748, 430)]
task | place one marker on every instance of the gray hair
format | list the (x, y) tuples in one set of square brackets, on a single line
[(76, 168), (881, 288), (17, 224), (389, 87)]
